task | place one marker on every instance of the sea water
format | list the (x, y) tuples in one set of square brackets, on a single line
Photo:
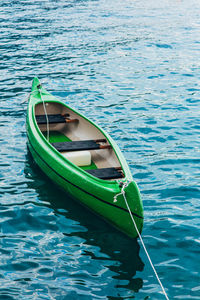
[(133, 67)]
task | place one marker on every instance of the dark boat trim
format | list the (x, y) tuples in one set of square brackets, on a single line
[(79, 187)]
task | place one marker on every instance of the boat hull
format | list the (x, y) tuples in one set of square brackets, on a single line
[(97, 195)]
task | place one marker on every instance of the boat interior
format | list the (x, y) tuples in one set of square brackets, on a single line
[(78, 140)]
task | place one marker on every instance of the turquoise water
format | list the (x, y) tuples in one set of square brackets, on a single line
[(133, 67)]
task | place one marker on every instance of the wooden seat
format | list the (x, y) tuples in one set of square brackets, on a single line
[(106, 173), (55, 118), (80, 145)]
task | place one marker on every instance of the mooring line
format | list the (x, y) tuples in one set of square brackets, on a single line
[(145, 249), (28, 97)]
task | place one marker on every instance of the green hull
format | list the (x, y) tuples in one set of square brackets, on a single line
[(94, 193)]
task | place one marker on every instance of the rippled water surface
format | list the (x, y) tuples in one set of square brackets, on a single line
[(134, 68)]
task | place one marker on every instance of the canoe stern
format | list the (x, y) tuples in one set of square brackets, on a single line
[(133, 198)]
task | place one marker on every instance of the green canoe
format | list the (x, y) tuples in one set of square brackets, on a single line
[(83, 160)]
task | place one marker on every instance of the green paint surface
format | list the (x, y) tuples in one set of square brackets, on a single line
[(56, 136)]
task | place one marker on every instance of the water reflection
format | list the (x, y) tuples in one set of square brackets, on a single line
[(109, 247)]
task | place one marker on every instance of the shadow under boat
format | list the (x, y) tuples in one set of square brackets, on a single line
[(123, 251)]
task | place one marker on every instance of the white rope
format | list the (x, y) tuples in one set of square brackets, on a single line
[(124, 185), (150, 261), (28, 96), (45, 113)]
